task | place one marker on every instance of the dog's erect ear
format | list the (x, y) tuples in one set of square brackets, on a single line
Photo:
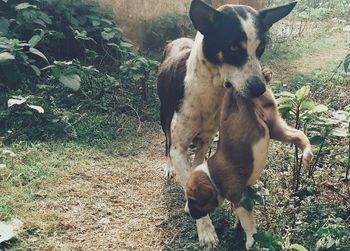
[(203, 16), (271, 15)]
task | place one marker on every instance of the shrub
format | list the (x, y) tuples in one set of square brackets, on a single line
[(167, 27)]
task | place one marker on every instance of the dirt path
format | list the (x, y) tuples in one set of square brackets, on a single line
[(108, 203), (336, 46)]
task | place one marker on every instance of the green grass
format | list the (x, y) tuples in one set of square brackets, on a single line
[(281, 50)]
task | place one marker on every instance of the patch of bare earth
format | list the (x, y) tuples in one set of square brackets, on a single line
[(335, 50), (106, 203)]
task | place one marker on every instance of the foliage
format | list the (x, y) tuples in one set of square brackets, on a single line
[(347, 63), (167, 27), (67, 56), (316, 9), (267, 241), (253, 195)]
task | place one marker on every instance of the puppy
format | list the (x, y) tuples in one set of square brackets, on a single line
[(246, 126)]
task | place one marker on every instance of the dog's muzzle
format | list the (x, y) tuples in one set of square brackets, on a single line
[(256, 86)]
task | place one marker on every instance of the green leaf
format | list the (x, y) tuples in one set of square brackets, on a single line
[(38, 53), (126, 45), (298, 247), (286, 94), (320, 108), (5, 57), (302, 92), (316, 140), (259, 199), (4, 25), (247, 203), (34, 40), (340, 132), (347, 63), (35, 69), (23, 6), (37, 108), (107, 35), (71, 81), (308, 105)]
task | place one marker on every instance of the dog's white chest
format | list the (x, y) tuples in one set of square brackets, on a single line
[(260, 150)]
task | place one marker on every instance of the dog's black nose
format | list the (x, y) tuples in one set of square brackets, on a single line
[(256, 87)]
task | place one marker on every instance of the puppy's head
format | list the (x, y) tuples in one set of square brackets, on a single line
[(234, 40), (201, 195)]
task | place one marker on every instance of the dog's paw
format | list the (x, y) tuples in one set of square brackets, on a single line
[(206, 233), (249, 243), (307, 156), (169, 171), (267, 72)]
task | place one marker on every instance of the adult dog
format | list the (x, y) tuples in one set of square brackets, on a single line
[(192, 75)]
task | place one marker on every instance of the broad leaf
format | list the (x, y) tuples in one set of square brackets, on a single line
[(308, 105), (247, 203), (126, 45), (347, 63), (71, 81), (34, 40), (340, 132), (320, 108), (4, 25), (5, 57), (298, 247), (316, 140), (302, 92), (13, 101), (286, 94), (35, 69), (38, 53), (23, 6), (37, 108)]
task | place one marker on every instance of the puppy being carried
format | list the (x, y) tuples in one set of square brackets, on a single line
[(246, 126)]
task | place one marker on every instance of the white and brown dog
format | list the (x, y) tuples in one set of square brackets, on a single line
[(192, 75), (246, 127)]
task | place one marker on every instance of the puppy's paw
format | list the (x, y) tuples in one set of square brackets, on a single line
[(169, 171), (206, 233), (307, 156), (267, 72)]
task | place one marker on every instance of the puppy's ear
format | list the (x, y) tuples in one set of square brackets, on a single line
[(271, 15), (203, 16)]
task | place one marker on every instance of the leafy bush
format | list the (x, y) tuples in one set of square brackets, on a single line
[(64, 57), (167, 27)]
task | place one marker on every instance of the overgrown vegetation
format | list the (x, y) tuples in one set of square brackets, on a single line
[(59, 59), (68, 73)]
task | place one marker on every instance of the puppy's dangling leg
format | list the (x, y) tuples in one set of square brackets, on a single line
[(206, 232), (248, 223)]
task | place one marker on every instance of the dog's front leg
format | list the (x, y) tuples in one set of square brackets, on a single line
[(282, 132), (248, 224), (206, 232)]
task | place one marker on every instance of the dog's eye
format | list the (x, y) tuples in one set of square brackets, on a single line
[(234, 48)]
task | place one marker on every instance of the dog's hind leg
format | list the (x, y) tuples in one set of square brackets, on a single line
[(206, 232), (248, 223)]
